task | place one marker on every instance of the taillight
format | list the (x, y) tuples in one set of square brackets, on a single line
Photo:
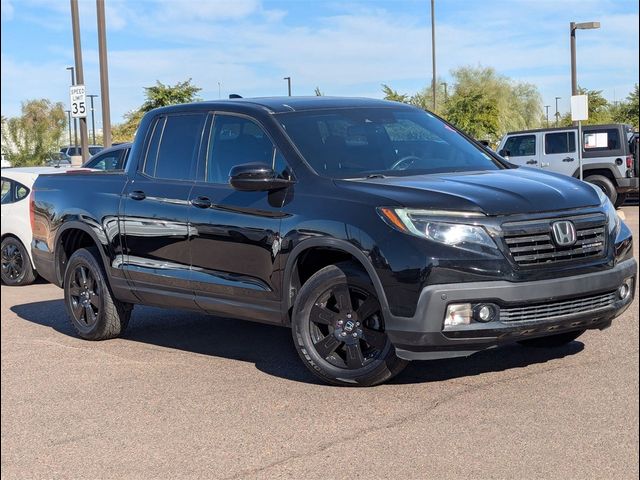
[(629, 161), (32, 211)]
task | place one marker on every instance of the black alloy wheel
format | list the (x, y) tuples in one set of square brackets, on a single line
[(16, 264), (84, 297)]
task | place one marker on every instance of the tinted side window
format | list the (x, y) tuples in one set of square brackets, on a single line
[(13, 191), (179, 146), (561, 142), (6, 191), (107, 161), (20, 191), (598, 140), (521, 145), (234, 141)]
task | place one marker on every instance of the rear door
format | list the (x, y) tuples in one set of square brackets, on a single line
[(522, 149), (559, 152), (155, 222), (235, 235)]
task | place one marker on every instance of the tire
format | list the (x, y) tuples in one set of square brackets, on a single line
[(94, 313), (552, 341), (16, 263), (606, 185), (622, 197), (335, 316)]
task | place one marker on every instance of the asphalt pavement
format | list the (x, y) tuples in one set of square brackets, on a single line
[(184, 395)]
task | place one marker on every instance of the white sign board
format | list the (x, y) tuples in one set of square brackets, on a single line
[(579, 108), (77, 95)]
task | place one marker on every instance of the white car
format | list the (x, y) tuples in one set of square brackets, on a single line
[(17, 264)]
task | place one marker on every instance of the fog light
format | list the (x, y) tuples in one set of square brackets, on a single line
[(625, 289), (458, 314), (484, 312)]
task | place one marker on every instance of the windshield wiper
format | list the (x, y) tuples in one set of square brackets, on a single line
[(375, 175)]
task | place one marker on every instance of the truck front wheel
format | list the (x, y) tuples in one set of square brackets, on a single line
[(94, 313)]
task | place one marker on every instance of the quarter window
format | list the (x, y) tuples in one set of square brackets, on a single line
[(605, 139), (560, 142), (521, 145)]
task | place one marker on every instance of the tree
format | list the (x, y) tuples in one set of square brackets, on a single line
[(393, 95), (476, 113), (29, 140), (159, 95), (627, 111), (600, 110)]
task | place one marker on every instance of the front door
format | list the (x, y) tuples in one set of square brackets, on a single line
[(560, 154), (521, 150), (155, 221), (235, 235)]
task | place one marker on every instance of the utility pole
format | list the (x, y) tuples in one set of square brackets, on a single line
[(93, 120), (75, 120), (557, 112), (433, 52), (288, 79), (104, 74), (547, 107), (77, 53)]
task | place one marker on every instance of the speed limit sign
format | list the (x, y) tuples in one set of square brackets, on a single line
[(77, 93)]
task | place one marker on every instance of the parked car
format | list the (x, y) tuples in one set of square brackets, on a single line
[(112, 158), (610, 160), (17, 265), (73, 151), (377, 231)]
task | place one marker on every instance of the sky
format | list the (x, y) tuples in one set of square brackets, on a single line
[(346, 48)]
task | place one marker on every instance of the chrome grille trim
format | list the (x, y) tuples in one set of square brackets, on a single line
[(549, 311), (530, 243)]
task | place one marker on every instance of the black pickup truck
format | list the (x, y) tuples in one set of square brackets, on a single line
[(377, 231)]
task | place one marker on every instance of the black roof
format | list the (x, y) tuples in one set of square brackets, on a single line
[(295, 104)]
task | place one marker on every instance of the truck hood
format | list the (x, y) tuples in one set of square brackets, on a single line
[(501, 192)]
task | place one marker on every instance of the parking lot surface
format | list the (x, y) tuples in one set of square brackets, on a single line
[(184, 395)]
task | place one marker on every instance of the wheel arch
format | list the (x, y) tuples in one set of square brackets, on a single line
[(26, 248), (72, 236), (343, 249)]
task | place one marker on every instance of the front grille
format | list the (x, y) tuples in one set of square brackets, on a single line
[(549, 311), (530, 243)]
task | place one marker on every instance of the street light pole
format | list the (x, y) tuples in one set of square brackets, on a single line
[(557, 112), (77, 53), (93, 120), (546, 107), (433, 52), (446, 94), (75, 120), (104, 74), (69, 124), (288, 79), (573, 26)]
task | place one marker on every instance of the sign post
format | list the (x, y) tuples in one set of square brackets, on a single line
[(580, 112), (78, 101)]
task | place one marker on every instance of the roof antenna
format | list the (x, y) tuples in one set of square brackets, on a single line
[(235, 95)]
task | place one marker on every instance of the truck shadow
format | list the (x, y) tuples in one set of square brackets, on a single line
[(271, 349)]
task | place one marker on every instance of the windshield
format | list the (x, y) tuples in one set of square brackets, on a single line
[(361, 142)]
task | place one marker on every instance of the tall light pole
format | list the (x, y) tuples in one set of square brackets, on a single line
[(75, 121), (557, 112), (572, 28), (77, 54), (69, 123), (433, 52), (547, 107), (104, 74), (288, 79), (446, 94), (93, 120), (219, 90)]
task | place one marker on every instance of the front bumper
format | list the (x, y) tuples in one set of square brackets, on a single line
[(422, 337)]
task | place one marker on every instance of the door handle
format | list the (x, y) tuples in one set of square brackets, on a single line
[(568, 159), (137, 195), (201, 202), (532, 162)]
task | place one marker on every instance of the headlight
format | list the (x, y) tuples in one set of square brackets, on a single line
[(613, 219), (422, 223)]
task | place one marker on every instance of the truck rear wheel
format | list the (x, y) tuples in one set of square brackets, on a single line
[(605, 185), (338, 329), (94, 313)]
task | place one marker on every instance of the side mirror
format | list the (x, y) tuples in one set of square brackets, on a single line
[(504, 153), (256, 177)]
